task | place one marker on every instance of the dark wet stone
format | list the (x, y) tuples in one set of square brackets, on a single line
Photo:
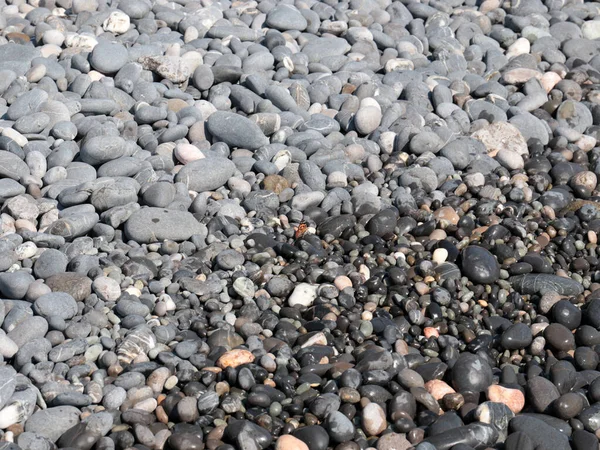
[(567, 314), (519, 441), (541, 283), (479, 265), (247, 435), (541, 392), (474, 435), (543, 436), (590, 417), (471, 373), (516, 337), (559, 337), (314, 436)]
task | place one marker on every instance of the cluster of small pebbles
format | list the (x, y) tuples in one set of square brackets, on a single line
[(299, 225)]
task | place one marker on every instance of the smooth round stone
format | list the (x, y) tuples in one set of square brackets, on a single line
[(244, 287), (187, 153), (367, 119), (513, 398), (559, 337), (510, 159), (566, 313), (314, 436), (206, 174), (426, 142), (52, 423), (383, 223), (586, 358), (229, 259), (470, 373), (501, 135), (106, 289), (479, 265), (248, 433), (541, 393), (289, 442), (58, 304), (393, 441), (568, 405), (516, 337), (339, 427), (203, 77), (542, 435), (50, 262), (160, 195), (582, 440), (373, 419), (156, 224), (286, 17), (15, 285), (540, 283), (236, 130), (101, 149), (108, 57), (519, 441), (572, 114)]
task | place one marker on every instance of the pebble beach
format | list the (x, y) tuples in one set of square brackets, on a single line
[(299, 225)]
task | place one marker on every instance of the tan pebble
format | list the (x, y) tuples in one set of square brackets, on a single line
[(513, 398), (592, 237), (157, 379), (586, 143), (373, 419), (421, 288), (401, 347), (586, 179), (438, 235), (438, 388), (289, 442), (186, 153), (171, 382), (342, 282), (148, 405), (549, 80), (447, 214), (234, 358), (221, 388), (520, 75)]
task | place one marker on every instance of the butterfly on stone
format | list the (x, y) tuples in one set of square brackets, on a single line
[(301, 229)]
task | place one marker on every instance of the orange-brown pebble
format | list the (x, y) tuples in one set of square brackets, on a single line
[(16, 429), (234, 358), (289, 442), (448, 214), (438, 388), (430, 331), (161, 415), (513, 398)]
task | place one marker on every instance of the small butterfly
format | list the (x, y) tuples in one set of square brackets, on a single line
[(301, 229)]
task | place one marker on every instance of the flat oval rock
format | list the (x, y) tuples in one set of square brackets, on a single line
[(542, 283)]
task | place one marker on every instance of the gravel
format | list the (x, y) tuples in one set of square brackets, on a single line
[(299, 225)]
